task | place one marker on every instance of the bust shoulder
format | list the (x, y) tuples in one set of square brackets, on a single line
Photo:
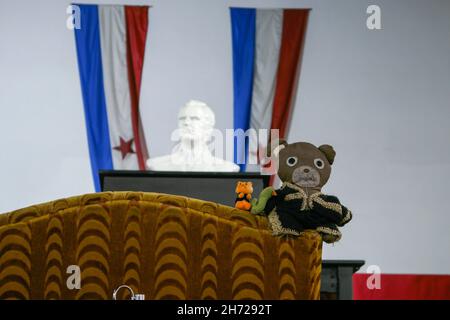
[(160, 163), (222, 165)]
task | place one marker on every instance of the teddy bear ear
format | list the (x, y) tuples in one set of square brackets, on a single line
[(275, 147), (328, 151)]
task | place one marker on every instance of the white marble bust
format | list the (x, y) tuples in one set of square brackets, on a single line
[(195, 124)]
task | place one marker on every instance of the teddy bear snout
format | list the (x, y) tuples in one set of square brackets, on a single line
[(305, 176)]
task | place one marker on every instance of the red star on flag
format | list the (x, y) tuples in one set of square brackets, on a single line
[(125, 147)]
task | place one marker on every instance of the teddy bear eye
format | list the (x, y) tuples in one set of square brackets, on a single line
[(319, 163), (291, 161)]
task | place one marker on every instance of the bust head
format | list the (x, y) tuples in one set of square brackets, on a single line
[(196, 121), (192, 153)]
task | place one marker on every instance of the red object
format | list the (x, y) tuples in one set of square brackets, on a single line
[(125, 147), (137, 24), (402, 287)]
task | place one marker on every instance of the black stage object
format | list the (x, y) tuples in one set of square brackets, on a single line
[(336, 279), (217, 187)]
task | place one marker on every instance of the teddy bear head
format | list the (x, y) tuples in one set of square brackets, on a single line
[(244, 187), (303, 163)]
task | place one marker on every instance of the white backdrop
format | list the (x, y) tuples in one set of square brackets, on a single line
[(381, 98)]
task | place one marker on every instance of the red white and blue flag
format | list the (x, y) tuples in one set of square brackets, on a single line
[(267, 46), (110, 49)]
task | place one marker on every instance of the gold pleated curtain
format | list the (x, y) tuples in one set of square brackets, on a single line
[(163, 246)]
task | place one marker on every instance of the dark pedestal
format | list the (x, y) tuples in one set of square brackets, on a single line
[(336, 279)]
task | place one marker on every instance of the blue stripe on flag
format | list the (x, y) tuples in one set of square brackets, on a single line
[(91, 76), (243, 24)]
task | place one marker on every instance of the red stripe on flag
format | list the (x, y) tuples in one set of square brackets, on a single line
[(294, 27), (292, 39), (402, 287), (137, 23)]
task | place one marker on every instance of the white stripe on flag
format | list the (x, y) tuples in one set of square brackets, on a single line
[(269, 23), (115, 80)]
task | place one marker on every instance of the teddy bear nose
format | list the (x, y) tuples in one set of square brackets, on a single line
[(306, 170)]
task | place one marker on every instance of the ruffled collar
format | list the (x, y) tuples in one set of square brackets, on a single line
[(300, 190)]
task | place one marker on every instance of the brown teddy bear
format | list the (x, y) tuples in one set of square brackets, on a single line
[(299, 204)]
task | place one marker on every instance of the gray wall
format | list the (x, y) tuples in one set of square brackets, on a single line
[(382, 98)]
